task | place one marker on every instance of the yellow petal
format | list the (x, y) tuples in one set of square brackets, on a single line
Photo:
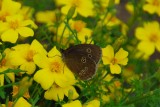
[(73, 91), (25, 31), (36, 46), (29, 67), (9, 36), (123, 61), (82, 11), (93, 103), (85, 8), (141, 33), (54, 52), (58, 94), (75, 103), (29, 22), (41, 60), (17, 58), (55, 93), (41, 16), (146, 47), (11, 76), (49, 94), (107, 54), (121, 56), (10, 6), (61, 80), (69, 75), (149, 8), (22, 103), (115, 69), (45, 78), (65, 9), (3, 26), (17, 17)]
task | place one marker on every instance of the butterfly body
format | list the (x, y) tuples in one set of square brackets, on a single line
[(82, 59)]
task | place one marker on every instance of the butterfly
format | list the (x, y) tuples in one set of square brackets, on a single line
[(82, 59)]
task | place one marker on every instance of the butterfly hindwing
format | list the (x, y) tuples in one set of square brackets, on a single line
[(83, 67)]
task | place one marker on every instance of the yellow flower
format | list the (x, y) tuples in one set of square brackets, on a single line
[(111, 20), (129, 75), (50, 20), (41, 16), (80, 27), (22, 88), (93, 103), (14, 26), (4, 65), (105, 3), (120, 58), (82, 30), (140, 54), (9, 104), (52, 70), (152, 6), (8, 8), (57, 93), (149, 37), (16, 90), (115, 89), (83, 7), (27, 12), (130, 8), (22, 55), (75, 103), (22, 103)]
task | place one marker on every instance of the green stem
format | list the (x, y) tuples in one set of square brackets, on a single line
[(48, 38), (140, 98), (9, 85), (34, 91), (62, 34)]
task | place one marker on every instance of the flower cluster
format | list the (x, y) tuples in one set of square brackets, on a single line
[(34, 36), (13, 23)]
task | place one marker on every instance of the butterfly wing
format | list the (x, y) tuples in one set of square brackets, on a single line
[(82, 60), (83, 67), (91, 51)]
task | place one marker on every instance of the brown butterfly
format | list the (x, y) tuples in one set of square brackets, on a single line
[(82, 59)]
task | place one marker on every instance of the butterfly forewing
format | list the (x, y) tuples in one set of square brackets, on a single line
[(92, 51), (82, 60)]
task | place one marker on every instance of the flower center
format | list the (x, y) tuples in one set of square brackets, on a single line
[(55, 67), (79, 25), (14, 24), (3, 62), (30, 55), (156, 3), (114, 61), (153, 38), (76, 3)]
